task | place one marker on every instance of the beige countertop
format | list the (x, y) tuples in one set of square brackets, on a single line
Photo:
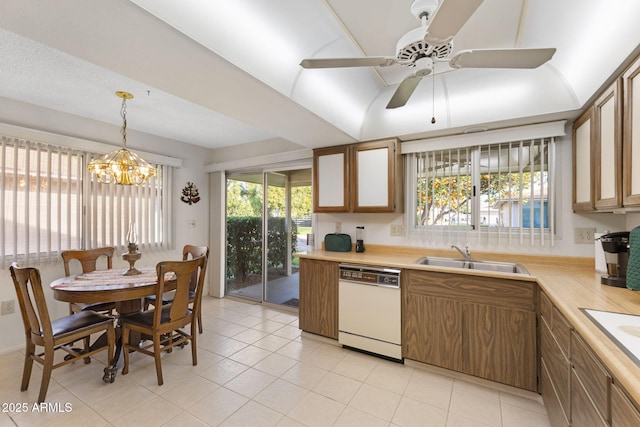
[(571, 283)]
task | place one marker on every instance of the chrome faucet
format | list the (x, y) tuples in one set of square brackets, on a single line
[(466, 254)]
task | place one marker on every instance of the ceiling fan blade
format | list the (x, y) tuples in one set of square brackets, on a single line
[(369, 61), (449, 18), (501, 58), (404, 91)]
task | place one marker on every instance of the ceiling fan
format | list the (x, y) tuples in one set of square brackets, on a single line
[(432, 42)]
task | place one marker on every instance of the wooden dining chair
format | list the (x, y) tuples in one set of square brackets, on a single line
[(54, 335), (88, 259), (189, 251), (166, 324)]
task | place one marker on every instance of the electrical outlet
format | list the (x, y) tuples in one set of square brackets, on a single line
[(396, 230), (8, 307), (191, 223), (338, 227), (584, 235)]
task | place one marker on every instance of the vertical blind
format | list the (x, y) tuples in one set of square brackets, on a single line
[(51, 203), (495, 192)]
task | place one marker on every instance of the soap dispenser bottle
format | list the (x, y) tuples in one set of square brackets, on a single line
[(359, 239)]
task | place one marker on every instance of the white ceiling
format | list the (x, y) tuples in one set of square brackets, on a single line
[(225, 72)]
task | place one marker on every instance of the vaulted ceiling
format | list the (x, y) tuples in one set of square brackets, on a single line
[(225, 73)]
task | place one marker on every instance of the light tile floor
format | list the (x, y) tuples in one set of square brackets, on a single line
[(256, 369)]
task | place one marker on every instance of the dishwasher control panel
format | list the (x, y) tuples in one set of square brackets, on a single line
[(370, 275)]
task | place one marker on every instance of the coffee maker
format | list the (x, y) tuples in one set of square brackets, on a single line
[(616, 254)]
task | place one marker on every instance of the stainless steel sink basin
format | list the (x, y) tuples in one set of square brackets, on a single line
[(442, 262), (502, 267)]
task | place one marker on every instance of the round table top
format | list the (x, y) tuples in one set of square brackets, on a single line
[(105, 286)]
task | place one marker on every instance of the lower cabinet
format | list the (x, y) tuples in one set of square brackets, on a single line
[(554, 335), (500, 344), (478, 325), (623, 412), (432, 331), (556, 411), (583, 410), (592, 380), (576, 387), (318, 312)]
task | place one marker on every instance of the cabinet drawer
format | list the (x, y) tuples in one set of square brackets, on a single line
[(623, 413), (555, 410), (562, 331), (545, 308), (595, 379), (557, 365), (558, 324), (583, 410), (519, 295)]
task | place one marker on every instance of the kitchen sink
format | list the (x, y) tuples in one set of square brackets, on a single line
[(502, 267)]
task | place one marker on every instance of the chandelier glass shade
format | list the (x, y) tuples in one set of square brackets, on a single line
[(122, 166)]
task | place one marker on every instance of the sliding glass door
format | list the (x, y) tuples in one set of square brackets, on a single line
[(268, 220), (244, 236)]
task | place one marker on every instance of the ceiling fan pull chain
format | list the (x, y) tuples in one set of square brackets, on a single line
[(433, 96)]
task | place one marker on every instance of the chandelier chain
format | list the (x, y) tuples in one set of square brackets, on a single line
[(123, 114)]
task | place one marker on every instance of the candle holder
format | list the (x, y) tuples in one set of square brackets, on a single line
[(133, 255)]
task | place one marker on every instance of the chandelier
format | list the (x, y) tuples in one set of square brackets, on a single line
[(122, 166)]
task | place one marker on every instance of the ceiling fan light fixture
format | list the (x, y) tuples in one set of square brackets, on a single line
[(122, 166)]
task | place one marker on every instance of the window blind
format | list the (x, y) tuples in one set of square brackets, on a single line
[(491, 192), (51, 203)]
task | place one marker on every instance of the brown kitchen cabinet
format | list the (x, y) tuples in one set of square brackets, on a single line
[(623, 412), (590, 385), (607, 151), (318, 308), (555, 370), (583, 158), (606, 146), (576, 387), (500, 343), (631, 135), (583, 412), (362, 177), (432, 330), (331, 183), (478, 325)]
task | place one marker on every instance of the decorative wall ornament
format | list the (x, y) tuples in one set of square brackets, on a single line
[(190, 194)]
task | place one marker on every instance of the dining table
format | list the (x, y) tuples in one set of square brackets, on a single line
[(112, 285)]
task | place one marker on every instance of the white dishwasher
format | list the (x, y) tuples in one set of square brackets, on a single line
[(369, 309)]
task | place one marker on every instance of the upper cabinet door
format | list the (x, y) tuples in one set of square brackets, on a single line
[(374, 176), (631, 129), (331, 179), (608, 149), (583, 189), (362, 177)]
